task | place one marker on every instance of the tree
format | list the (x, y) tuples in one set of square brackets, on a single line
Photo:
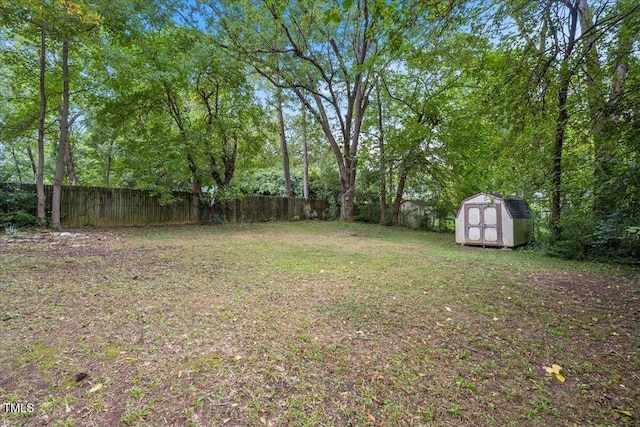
[(283, 139), (24, 18), (328, 56), (191, 104), (76, 18), (557, 81)]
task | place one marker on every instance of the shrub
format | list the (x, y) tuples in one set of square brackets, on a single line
[(17, 207)]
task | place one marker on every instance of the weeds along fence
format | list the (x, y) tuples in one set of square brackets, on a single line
[(98, 206)]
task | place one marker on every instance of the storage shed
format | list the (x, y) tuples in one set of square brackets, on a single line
[(491, 220)]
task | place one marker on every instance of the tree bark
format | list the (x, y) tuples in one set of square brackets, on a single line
[(399, 193), (561, 125), (107, 169), (41, 125), (556, 171), (15, 160), (305, 156), (71, 167), (32, 163), (283, 143), (64, 134), (383, 165)]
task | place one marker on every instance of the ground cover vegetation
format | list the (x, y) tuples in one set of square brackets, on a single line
[(310, 323), (365, 102)]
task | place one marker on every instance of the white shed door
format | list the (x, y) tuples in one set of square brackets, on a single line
[(483, 224)]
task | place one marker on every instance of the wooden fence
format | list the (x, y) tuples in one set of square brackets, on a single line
[(97, 206), (267, 208)]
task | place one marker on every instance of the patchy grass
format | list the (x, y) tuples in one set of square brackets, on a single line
[(308, 324)]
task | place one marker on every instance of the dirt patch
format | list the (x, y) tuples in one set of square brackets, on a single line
[(618, 295)]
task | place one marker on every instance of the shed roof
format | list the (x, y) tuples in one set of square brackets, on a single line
[(517, 208)]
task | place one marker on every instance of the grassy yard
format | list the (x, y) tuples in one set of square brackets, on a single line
[(310, 324)]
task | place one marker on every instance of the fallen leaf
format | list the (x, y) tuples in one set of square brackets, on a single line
[(554, 369), (495, 319), (179, 373), (371, 418), (95, 388), (237, 357), (447, 308), (560, 377), (627, 413)]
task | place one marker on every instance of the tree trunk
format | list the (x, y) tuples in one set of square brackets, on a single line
[(347, 195), (107, 169), (283, 144), (556, 171), (561, 125), (604, 149), (305, 156), (64, 132), (196, 185), (34, 167), (383, 165), (399, 193), (41, 127), (15, 160), (71, 167)]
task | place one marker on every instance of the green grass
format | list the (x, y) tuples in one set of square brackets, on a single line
[(312, 323)]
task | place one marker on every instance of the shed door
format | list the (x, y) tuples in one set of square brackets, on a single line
[(483, 225)]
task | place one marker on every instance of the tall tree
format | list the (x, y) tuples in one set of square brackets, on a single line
[(42, 119), (560, 75), (283, 140), (26, 19), (305, 156), (329, 56), (383, 163), (76, 18), (622, 21)]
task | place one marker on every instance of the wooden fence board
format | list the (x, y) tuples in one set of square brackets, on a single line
[(97, 206)]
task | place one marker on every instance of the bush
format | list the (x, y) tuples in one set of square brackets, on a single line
[(612, 239), (17, 207)]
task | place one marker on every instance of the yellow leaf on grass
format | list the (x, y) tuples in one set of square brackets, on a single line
[(554, 369), (371, 418), (95, 388), (627, 413)]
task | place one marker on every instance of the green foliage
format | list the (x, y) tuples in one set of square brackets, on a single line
[(270, 182), (17, 207), (612, 239), (468, 102)]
